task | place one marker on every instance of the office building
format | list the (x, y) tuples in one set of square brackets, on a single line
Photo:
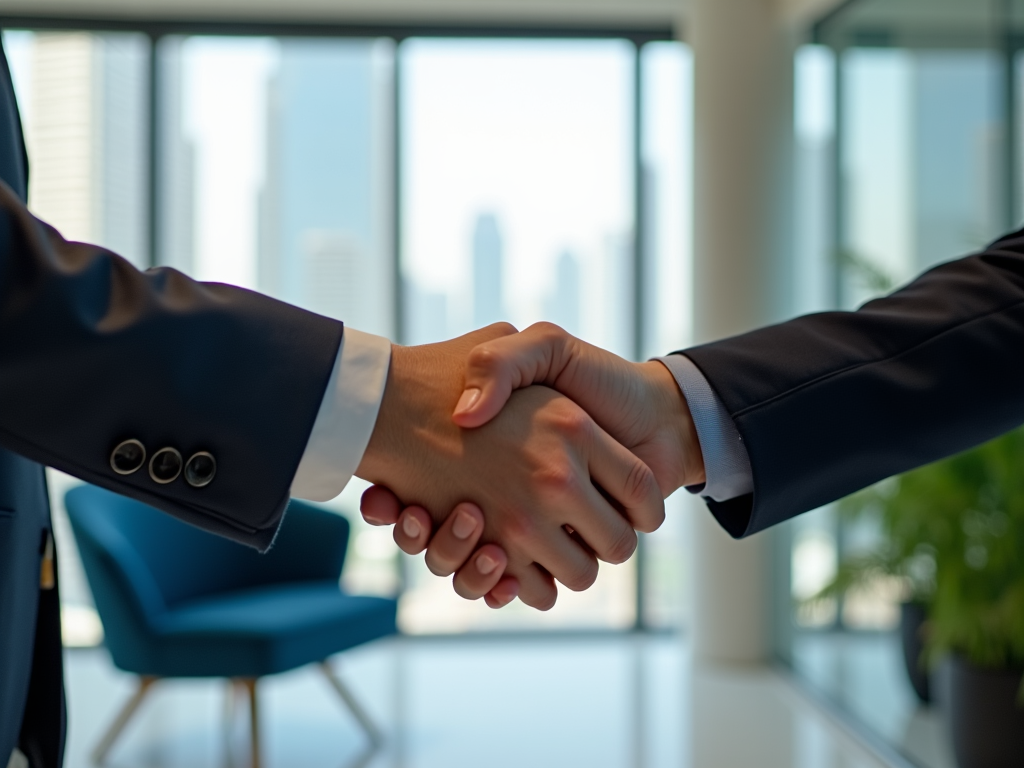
[(86, 138), (488, 265), (324, 232), (563, 305)]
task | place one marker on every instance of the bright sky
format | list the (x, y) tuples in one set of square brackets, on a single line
[(225, 83), (538, 133)]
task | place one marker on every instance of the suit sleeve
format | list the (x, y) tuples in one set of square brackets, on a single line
[(94, 352), (829, 403)]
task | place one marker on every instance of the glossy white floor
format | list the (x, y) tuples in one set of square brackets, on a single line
[(620, 702)]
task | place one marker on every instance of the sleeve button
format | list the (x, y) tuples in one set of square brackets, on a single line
[(128, 457), (200, 469), (165, 466)]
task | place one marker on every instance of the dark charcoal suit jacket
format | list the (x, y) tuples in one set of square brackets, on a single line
[(830, 403), (94, 352)]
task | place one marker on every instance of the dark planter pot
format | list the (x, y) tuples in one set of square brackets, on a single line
[(985, 717), (912, 619)]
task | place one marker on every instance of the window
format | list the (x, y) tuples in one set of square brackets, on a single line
[(416, 188), (907, 157)]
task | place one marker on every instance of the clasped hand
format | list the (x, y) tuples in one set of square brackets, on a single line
[(532, 455)]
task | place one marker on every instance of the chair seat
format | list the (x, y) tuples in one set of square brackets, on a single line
[(265, 630)]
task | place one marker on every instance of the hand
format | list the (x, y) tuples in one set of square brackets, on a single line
[(451, 547), (637, 403), (533, 468)]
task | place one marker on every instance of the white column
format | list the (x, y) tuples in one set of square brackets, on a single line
[(743, 126)]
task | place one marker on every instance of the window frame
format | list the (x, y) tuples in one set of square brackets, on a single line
[(156, 30)]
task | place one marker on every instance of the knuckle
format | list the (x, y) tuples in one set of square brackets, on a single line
[(518, 529), (571, 420), (651, 519), (640, 482), (485, 358), (547, 330), (557, 479), (545, 601), (622, 548), (502, 328), (582, 577)]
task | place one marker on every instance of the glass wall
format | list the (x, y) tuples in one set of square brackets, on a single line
[(517, 190), (83, 102), (908, 147), (415, 190), (666, 96)]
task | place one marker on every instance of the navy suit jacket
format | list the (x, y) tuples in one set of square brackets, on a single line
[(94, 352), (830, 403)]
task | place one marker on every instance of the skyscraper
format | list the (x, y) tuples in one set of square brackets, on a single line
[(487, 271), (615, 281), (563, 306), (324, 231), (176, 164), (86, 138), (426, 314)]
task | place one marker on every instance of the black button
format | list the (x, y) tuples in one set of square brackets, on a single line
[(165, 466), (200, 469), (127, 457)]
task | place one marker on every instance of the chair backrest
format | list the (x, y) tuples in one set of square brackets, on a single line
[(140, 562)]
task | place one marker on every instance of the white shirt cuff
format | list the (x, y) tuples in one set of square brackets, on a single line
[(346, 418), (726, 462)]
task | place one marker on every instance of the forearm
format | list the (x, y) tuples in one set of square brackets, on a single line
[(829, 403), (94, 352)]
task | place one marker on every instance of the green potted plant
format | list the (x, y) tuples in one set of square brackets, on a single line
[(953, 534), (903, 554), (976, 618)]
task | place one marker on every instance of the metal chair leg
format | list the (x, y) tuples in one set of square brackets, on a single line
[(250, 685), (126, 713), (232, 692), (374, 734)]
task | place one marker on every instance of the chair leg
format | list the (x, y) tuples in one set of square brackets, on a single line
[(126, 713), (374, 734), (250, 686), (232, 691)]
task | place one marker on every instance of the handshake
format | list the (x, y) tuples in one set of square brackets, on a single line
[(518, 459)]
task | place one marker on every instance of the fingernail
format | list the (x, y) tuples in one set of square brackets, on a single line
[(464, 525), (486, 564), (468, 400), (411, 526)]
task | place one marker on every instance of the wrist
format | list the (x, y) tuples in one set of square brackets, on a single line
[(384, 454), (413, 429), (678, 432), (377, 450)]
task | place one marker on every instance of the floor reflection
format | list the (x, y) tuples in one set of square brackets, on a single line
[(863, 674), (618, 701)]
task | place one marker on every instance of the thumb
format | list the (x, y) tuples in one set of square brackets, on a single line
[(497, 367)]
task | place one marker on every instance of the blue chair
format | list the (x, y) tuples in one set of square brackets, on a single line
[(176, 601)]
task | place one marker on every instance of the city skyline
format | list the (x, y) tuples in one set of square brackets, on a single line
[(324, 239)]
